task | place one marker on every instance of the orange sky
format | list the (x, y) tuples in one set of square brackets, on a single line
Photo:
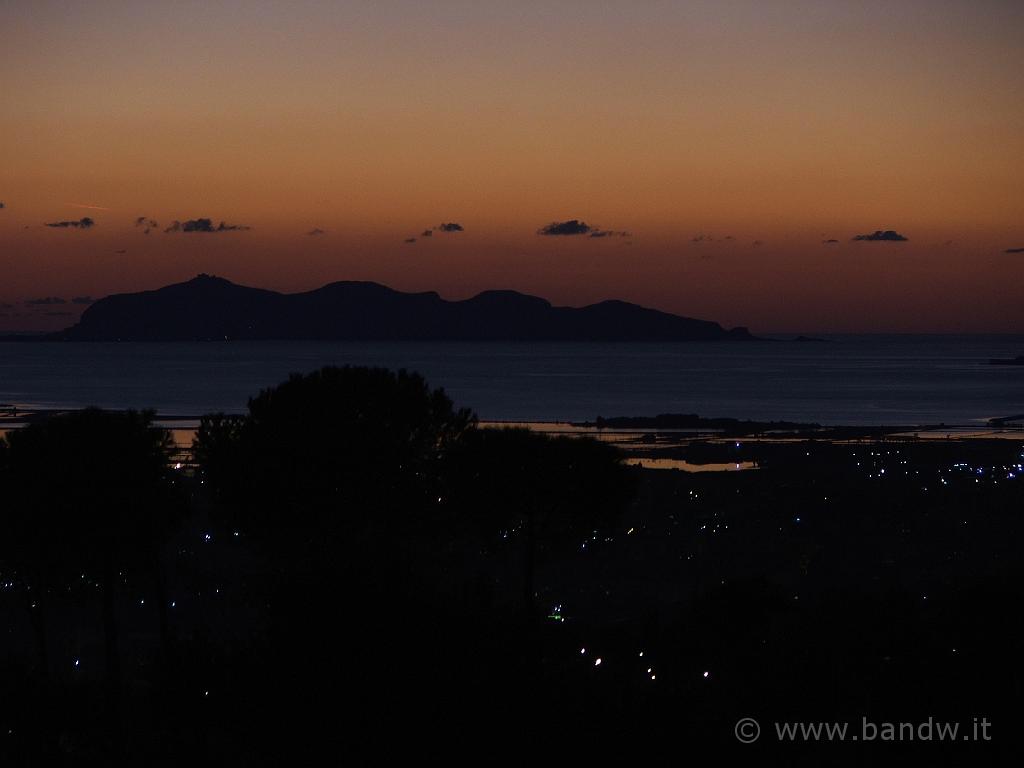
[(787, 122)]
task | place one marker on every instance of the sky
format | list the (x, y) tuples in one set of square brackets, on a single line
[(715, 147)]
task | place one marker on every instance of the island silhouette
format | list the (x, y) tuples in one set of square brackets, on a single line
[(209, 308)]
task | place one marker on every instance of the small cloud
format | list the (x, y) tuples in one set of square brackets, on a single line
[(316, 232), (702, 239), (427, 233), (565, 228), (2, 205), (46, 301), (83, 223), (204, 225), (879, 236), (574, 227), (410, 239), (83, 300), (830, 241), (222, 227), (121, 251), (728, 237), (1014, 250), (757, 243), (450, 226), (146, 223)]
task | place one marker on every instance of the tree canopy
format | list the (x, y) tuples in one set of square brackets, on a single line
[(572, 486), (322, 451), (86, 486)]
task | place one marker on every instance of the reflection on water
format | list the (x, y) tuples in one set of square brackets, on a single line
[(182, 436), (687, 466)]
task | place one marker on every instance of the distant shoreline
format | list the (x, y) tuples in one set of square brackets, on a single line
[(1010, 427), (661, 449)]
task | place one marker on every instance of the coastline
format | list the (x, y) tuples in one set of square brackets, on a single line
[(686, 450)]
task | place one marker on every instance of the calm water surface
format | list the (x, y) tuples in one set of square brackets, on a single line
[(851, 380)]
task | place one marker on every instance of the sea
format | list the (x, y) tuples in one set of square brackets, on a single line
[(843, 380)]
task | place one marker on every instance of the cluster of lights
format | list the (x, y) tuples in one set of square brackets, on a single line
[(593, 537), (962, 469), (649, 672), (556, 614), (715, 528)]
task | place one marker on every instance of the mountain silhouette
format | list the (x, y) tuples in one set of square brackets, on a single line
[(212, 308)]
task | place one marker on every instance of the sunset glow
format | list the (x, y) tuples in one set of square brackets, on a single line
[(722, 142)]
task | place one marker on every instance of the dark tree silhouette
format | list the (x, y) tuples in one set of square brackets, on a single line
[(551, 492), (330, 451), (23, 552), (219, 449), (92, 493), (369, 495), (334, 478)]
